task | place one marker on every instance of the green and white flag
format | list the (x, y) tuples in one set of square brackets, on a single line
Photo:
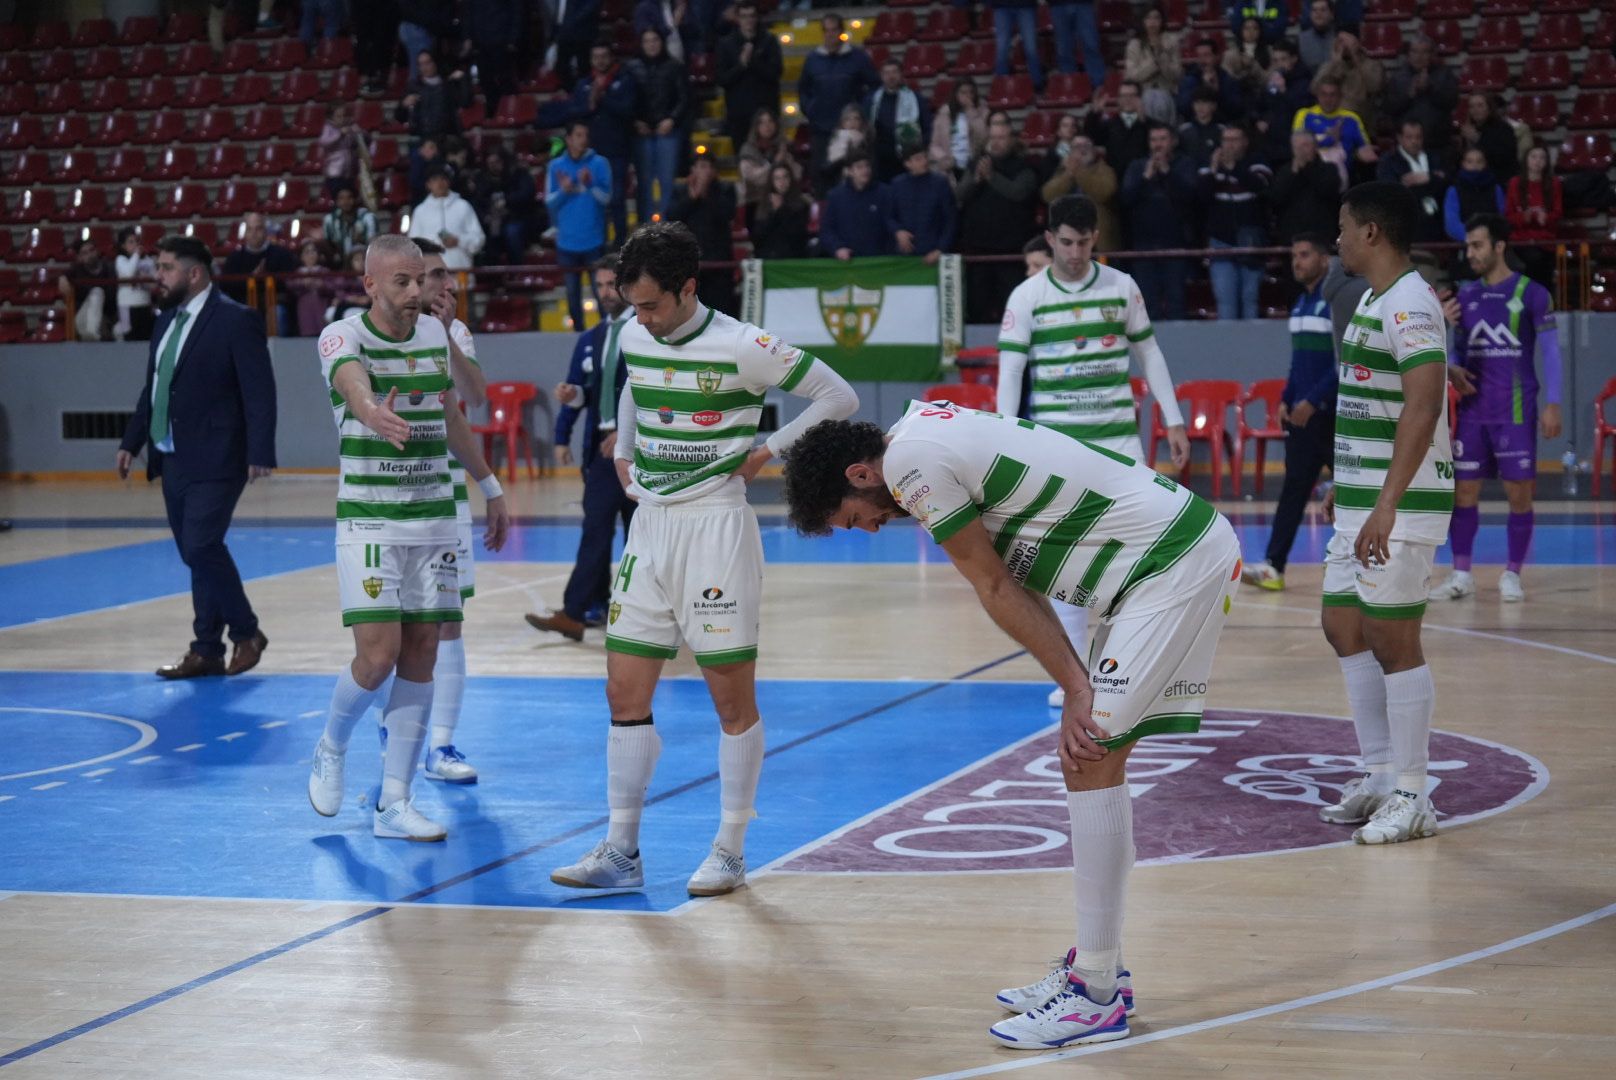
[(891, 318)]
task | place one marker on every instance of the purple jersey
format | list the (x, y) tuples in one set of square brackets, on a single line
[(1496, 341)]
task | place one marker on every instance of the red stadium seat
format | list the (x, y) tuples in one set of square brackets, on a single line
[(515, 111), (1382, 40), (192, 59), (205, 231), (374, 117), (153, 92), (1066, 91), (174, 163), (236, 197), (344, 85), (945, 24), (18, 100), (261, 122), (507, 315), (123, 164), (1497, 35), (1446, 34), (1483, 73), (74, 167), (31, 205), (1449, 9), (40, 245), (223, 160), (102, 63), (385, 154), (332, 53), (1585, 152), (311, 162), (83, 204), (924, 61), (1039, 129), (1558, 33), (239, 56), (1115, 16), (1393, 9), (1604, 35), (878, 55), (1601, 70), (297, 87), (394, 191), (12, 37), (55, 67), (892, 28), (1544, 71), (183, 200), (107, 96), (52, 328), (114, 129), (13, 323), (146, 60), (982, 26), (93, 33), (51, 34), (253, 88), (70, 130), (288, 197), (200, 92), (20, 133), (1593, 109), (27, 167), (307, 122), (40, 287), (16, 68), (472, 116), (212, 126), (1010, 92), (284, 54), (273, 159), (184, 27), (139, 30), (132, 203), (1540, 112)]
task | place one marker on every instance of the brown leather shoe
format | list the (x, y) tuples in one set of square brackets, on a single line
[(558, 622), (192, 666), (247, 654)]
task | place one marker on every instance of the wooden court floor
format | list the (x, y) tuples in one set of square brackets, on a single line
[(1487, 951)]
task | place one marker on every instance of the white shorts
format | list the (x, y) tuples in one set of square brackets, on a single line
[(691, 572), (466, 560), (398, 583), (1396, 590), (1150, 672)]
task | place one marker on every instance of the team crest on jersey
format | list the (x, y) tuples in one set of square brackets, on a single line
[(667, 376), (1110, 313), (850, 313), (707, 381), (612, 613), (372, 587)]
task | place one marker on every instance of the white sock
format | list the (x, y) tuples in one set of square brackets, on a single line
[(450, 676), (405, 718), (348, 703), (1366, 697), (631, 756), (740, 761), (1102, 855), (1075, 620), (1410, 701)]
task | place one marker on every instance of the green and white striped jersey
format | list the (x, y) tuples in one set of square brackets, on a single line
[(698, 399), (1394, 332), (1076, 338), (461, 336), (387, 495), (1071, 520)]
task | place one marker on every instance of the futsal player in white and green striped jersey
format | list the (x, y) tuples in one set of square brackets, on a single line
[(398, 418), (692, 570)]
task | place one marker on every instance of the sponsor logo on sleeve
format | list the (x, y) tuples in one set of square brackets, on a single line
[(1009, 320), (762, 341), (330, 346)]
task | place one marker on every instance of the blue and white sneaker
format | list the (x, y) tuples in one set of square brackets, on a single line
[(605, 867), (449, 765), (1020, 999), (1070, 1018), (402, 821)]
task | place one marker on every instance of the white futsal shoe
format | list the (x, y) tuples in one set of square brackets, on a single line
[(1070, 1018), (721, 872), (1359, 801), (449, 765), (1057, 698), (1509, 587), (1459, 585), (605, 867), (325, 779), (1020, 999), (1402, 816), (402, 821)]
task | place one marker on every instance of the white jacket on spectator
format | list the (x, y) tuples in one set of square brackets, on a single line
[(454, 216)]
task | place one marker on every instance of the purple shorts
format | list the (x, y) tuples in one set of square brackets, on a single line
[(1507, 451)]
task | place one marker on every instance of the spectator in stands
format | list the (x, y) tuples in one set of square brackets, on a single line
[(854, 223), (1339, 131), (311, 288), (778, 220), (764, 149), (1535, 203), (1247, 58), (375, 24), (1158, 193), (899, 117), (1075, 21), (496, 30), (1360, 75), (1306, 192), (1423, 89), (748, 68), (328, 14), (707, 205), (1475, 191), (432, 105), (350, 290), (338, 152), (1234, 186), (1271, 17), (1207, 74), (421, 24), (1200, 136), (675, 22), (1413, 166), (1154, 62), (960, 130), (92, 315), (574, 33), (834, 76), (1123, 133), (135, 315), (1036, 255), (1012, 18), (664, 100), (577, 193), (507, 201), (255, 256), (923, 212), (1080, 170), (1485, 129), (1284, 92), (606, 98), (998, 199), (852, 137), (1316, 42), (449, 219), (349, 226), (422, 158)]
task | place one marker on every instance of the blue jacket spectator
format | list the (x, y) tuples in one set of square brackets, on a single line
[(1284, 92), (898, 117), (682, 38), (1474, 191), (1207, 71), (857, 213), (1156, 191), (1273, 15), (834, 76), (922, 206), (578, 190), (606, 99)]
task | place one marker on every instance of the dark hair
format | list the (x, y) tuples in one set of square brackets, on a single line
[(1323, 243), (1204, 93), (1077, 211), (1139, 27), (832, 15), (428, 247), (744, 4), (910, 149), (435, 171), (1497, 228), (1040, 244), (1285, 45), (1208, 42), (1409, 121), (1391, 207), (855, 158), (1331, 81), (892, 61), (188, 248), (1156, 125), (816, 470), (1130, 82), (609, 262), (570, 126), (667, 252), (125, 233)]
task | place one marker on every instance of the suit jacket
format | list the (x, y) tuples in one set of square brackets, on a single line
[(221, 401), (585, 371)]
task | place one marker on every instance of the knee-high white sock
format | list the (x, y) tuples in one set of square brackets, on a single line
[(1102, 855), (348, 703), (740, 761), (631, 756), (405, 718), (1075, 620), (1410, 701), (1366, 696), (450, 676)]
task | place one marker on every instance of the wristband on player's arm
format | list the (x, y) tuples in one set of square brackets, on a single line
[(489, 485)]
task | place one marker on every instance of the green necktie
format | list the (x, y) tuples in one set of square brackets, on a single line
[(165, 375), (608, 377)]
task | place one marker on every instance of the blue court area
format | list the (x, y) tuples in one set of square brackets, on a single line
[(122, 783)]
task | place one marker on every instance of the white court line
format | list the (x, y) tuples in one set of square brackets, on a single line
[(187, 748), (313, 905), (1295, 1003), (93, 773), (148, 600), (144, 760), (1435, 990), (48, 785), (546, 580), (1506, 638), (282, 723)]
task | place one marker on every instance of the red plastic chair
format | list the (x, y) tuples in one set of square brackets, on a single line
[(505, 402), (1267, 391), (965, 395), (1603, 429), (979, 365), (1206, 420)]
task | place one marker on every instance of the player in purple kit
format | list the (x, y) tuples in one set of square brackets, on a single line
[(1500, 321)]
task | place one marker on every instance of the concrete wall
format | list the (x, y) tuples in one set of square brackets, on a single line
[(40, 382)]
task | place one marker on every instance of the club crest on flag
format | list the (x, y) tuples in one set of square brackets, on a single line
[(372, 587), (850, 313), (707, 381)]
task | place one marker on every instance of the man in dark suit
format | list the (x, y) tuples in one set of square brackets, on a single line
[(207, 415), (596, 364)]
